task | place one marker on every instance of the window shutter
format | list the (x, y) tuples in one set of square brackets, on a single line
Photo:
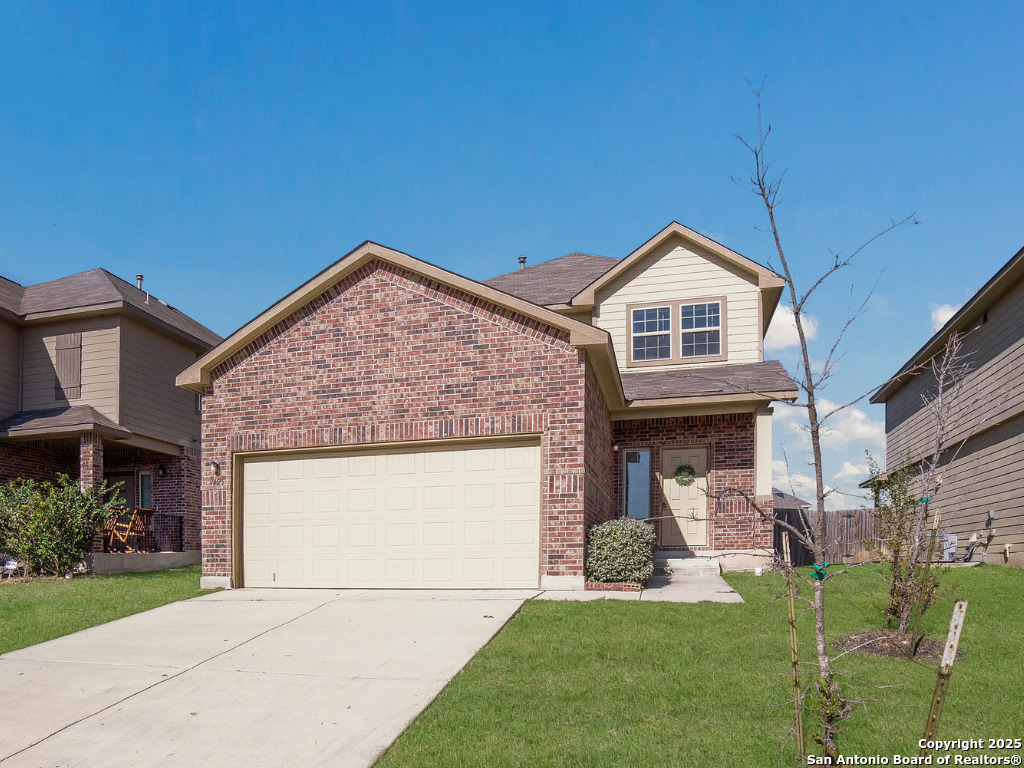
[(69, 367)]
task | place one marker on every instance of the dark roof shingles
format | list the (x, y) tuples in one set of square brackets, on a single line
[(785, 500), (83, 417), (555, 281), (767, 378), (101, 287)]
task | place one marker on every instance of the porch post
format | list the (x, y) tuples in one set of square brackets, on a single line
[(90, 461)]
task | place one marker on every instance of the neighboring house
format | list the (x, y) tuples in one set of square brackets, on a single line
[(87, 367), (793, 511), (393, 424), (982, 490)]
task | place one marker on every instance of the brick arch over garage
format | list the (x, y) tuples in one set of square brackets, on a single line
[(389, 356)]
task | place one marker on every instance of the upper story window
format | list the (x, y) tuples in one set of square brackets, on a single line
[(701, 329), (677, 332), (652, 333)]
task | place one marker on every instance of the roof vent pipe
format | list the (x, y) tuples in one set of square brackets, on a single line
[(138, 280), (522, 262)]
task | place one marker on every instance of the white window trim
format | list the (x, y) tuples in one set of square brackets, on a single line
[(720, 328), (646, 334)]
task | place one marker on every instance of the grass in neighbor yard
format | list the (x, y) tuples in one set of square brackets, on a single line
[(45, 608), (617, 683)]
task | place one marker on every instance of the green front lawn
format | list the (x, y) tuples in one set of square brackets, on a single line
[(616, 683), (42, 609)]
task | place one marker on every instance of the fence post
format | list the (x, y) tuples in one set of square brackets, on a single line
[(956, 624), (797, 703)]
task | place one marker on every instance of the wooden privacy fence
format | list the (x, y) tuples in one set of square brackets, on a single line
[(850, 535)]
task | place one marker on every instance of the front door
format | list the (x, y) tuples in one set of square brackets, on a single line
[(127, 488), (685, 506)]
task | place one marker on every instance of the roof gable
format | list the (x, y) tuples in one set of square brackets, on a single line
[(770, 283), (581, 335), (98, 289), (965, 319)]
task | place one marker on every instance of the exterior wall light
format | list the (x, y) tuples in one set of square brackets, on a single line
[(214, 467)]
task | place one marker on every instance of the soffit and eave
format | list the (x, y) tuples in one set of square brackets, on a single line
[(594, 341), (766, 280), (965, 319)]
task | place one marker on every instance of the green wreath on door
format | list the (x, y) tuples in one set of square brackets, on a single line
[(685, 474)]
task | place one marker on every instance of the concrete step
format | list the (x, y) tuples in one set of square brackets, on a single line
[(679, 565)]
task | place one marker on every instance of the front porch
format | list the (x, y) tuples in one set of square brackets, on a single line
[(699, 480), (160, 489)]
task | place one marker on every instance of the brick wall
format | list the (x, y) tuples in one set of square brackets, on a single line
[(600, 490), (38, 460), (388, 355), (90, 460), (732, 522), (175, 496)]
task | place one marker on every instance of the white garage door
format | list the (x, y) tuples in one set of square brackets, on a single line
[(443, 518)]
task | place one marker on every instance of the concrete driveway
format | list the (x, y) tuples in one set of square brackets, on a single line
[(243, 678)]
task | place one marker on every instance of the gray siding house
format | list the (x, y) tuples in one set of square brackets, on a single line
[(982, 490), (87, 367)]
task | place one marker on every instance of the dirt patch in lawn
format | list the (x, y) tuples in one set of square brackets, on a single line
[(880, 643)]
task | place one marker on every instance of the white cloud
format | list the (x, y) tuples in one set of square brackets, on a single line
[(848, 433), (852, 472), (849, 425), (843, 493), (796, 483), (837, 433), (941, 314), (782, 332)]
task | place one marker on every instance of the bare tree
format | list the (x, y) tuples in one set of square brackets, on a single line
[(828, 700), (908, 515)]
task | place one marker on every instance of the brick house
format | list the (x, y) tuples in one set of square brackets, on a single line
[(87, 368), (393, 424)]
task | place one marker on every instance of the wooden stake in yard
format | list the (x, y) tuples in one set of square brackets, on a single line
[(956, 624), (924, 580), (797, 707)]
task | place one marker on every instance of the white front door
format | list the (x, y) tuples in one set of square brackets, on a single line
[(685, 506)]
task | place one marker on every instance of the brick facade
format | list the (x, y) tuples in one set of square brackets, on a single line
[(175, 496), (599, 502), (90, 460), (388, 355), (733, 524), (38, 460)]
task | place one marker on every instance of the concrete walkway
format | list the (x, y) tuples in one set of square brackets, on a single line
[(243, 678), (691, 580), (662, 589)]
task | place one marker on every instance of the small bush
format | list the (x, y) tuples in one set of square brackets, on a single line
[(621, 550), (50, 526)]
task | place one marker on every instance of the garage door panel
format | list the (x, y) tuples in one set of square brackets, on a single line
[(438, 534), (465, 517)]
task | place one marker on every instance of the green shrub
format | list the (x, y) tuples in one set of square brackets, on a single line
[(50, 526), (621, 550)]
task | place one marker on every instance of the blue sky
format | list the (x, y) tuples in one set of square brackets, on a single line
[(230, 151)]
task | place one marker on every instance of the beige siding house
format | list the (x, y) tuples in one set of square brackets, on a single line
[(982, 491), (87, 367)]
